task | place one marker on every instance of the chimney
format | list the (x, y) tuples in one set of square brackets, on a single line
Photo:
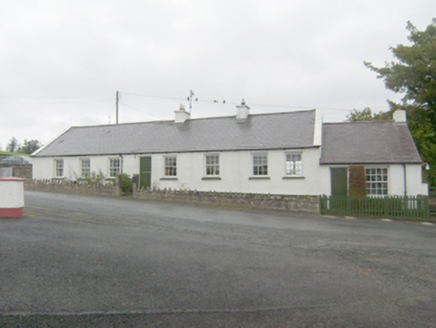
[(242, 112), (181, 115), (400, 116)]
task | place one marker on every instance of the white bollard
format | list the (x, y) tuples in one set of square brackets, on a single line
[(11, 197)]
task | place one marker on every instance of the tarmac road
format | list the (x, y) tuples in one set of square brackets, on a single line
[(109, 262)]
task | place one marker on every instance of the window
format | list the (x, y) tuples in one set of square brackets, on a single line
[(294, 165), (86, 167), (59, 167), (170, 166), (212, 165), (376, 181), (114, 167), (260, 164)]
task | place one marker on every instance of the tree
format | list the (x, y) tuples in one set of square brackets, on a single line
[(12, 145), (414, 74), (367, 115), (29, 146)]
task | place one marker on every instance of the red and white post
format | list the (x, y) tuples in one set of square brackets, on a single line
[(11, 197)]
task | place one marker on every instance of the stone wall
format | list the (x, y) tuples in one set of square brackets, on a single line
[(73, 188), (20, 170), (308, 204)]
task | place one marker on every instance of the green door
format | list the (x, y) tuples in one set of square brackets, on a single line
[(339, 181), (145, 172)]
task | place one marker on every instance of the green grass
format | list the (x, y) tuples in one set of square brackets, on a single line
[(8, 153)]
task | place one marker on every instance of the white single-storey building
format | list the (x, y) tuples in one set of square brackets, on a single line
[(291, 153)]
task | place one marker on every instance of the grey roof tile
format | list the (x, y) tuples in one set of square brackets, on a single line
[(263, 131), (368, 142)]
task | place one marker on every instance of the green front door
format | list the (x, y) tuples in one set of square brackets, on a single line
[(339, 181), (145, 172)]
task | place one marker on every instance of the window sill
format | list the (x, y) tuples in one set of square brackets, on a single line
[(292, 177), (169, 178), (259, 178), (210, 178)]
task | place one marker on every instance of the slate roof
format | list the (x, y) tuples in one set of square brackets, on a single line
[(380, 142), (16, 159), (260, 132)]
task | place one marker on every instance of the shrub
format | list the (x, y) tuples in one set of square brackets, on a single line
[(126, 184), (357, 181)]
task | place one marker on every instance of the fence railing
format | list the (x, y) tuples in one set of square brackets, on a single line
[(399, 207)]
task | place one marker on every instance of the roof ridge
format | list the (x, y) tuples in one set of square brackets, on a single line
[(262, 131), (194, 119), (360, 122)]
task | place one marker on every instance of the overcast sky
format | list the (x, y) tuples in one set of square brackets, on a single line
[(61, 62)]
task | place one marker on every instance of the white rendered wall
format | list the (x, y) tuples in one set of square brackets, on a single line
[(414, 185), (44, 167), (11, 194), (414, 180), (235, 173), (396, 186), (396, 180)]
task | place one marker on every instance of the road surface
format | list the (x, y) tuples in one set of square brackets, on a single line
[(109, 262)]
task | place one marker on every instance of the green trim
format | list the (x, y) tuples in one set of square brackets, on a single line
[(210, 178), (411, 208), (169, 178), (292, 177), (58, 179), (259, 178)]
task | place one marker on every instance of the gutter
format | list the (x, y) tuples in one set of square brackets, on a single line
[(178, 152), (369, 163), (405, 179)]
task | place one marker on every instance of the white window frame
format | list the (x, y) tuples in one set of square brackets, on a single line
[(212, 165), (293, 168), (377, 181), (113, 168), (59, 167), (258, 163), (170, 166), (82, 161)]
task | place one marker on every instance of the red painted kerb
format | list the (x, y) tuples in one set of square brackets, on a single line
[(11, 212), (12, 179)]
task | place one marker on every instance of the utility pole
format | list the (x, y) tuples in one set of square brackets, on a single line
[(116, 107), (191, 95)]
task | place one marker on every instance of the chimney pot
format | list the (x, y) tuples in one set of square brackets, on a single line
[(181, 115), (400, 116), (242, 112)]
